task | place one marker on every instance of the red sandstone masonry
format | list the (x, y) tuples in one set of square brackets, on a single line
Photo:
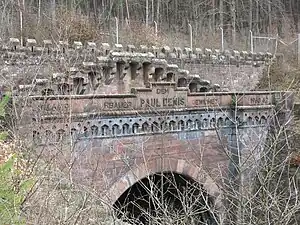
[(116, 163), (204, 152)]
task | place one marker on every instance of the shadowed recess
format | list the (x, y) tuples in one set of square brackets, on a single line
[(166, 198)]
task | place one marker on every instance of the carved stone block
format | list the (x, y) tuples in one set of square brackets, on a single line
[(105, 49), (14, 41), (31, 42), (91, 45), (47, 43), (130, 48), (144, 48), (118, 47), (166, 50)]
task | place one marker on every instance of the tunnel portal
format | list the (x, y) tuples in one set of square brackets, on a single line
[(166, 198)]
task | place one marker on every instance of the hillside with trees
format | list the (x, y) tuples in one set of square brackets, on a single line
[(95, 20)]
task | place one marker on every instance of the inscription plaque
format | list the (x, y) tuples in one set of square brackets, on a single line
[(158, 97)]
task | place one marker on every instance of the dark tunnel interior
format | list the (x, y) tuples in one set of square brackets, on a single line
[(165, 197)]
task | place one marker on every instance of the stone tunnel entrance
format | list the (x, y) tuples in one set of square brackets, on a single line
[(166, 198)]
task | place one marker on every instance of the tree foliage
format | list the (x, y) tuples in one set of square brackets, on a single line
[(13, 185)]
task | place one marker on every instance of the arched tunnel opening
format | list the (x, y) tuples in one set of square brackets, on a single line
[(166, 198)]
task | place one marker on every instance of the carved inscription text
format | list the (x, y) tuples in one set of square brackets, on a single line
[(116, 105), (206, 102), (259, 100), (161, 102), (164, 98)]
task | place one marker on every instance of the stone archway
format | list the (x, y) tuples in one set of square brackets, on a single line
[(182, 171)]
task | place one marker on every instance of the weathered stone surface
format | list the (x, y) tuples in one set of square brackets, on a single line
[(31, 42), (212, 65), (150, 131)]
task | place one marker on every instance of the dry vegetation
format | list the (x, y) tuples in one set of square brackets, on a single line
[(94, 21)]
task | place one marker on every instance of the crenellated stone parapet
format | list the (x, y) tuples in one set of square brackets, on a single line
[(116, 73), (91, 51), (58, 68)]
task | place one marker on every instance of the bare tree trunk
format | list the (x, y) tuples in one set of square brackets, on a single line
[(95, 6), (168, 20), (21, 8), (250, 23), (250, 14), (103, 6), (147, 12), (127, 10), (257, 17), (295, 15), (213, 16), (39, 12), (279, 24), (176, 13), (109, 15), (152, 9), (118, 12), (53, 12), (5, 19), (269, 17), (157, 11), (233, 21), (122, 13), (221, 10)]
